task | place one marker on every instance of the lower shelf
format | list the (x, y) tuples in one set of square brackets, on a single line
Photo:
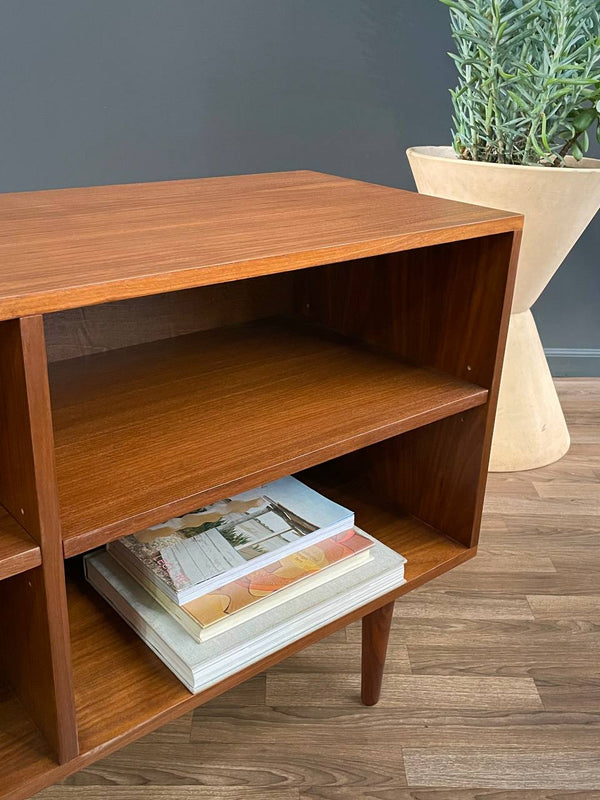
[(24, 754), (148, 432), (124, 691)]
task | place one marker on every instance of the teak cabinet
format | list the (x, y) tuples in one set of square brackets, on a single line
[(165, 345)]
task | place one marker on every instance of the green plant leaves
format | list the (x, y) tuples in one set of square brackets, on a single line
[(584, 118), (529, 79), (576, 151)]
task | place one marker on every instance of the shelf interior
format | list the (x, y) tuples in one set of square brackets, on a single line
[(18, 551), (121, 685), (147, 432), (24, 754)]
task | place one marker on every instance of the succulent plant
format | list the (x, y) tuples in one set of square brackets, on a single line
[(529, 79)]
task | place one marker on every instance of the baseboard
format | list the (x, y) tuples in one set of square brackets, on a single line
[(574, 362)]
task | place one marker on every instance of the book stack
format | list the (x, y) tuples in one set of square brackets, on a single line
[(223, 586)]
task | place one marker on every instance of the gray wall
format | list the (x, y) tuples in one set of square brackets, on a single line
[(104, 91)]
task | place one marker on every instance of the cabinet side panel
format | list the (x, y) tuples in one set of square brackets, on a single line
[(17, 473), (435, 473), (436, 306), (445, 307), (35, 636)]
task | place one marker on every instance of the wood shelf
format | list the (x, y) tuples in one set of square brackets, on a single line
[(146, 432), (123, 689), (24, 753), (18, 551)]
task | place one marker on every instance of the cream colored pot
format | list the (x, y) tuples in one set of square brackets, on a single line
[(558, 204)]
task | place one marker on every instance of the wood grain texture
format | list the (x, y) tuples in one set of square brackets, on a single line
[(502, 633), (460, 637), (24, 752), (565, 490), (457, 325), (225, 411), (493, 562), (546, 606), (177, 792), (18, 490), (328, 793), (74, 247), (96, 329), (441, 307), (412, 727), (409, 692), (454, 605), (504, 769), (331, 656), (428, 552), (18, 551), (178, 730), (549, 660), (35, 653), (35, 661), (268, 768), (375, 634), (566, 581), (578, 693)]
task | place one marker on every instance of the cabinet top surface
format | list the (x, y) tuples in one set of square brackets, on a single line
[(65, 248)]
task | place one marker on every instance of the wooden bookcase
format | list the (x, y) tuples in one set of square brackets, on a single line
[(165, 345)]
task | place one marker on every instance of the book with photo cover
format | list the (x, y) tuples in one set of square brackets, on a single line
[(191, 555), (246, 597)]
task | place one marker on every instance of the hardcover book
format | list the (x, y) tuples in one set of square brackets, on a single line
[(191, 555), (201, 664), (240, 600)]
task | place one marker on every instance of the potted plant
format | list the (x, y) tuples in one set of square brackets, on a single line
[(526, 104)]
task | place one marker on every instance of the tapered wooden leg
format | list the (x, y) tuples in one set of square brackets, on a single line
[(375, 634)]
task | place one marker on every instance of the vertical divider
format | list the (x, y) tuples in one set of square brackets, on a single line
[(36, 656)]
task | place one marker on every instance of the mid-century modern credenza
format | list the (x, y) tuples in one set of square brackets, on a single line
[(165, 345)]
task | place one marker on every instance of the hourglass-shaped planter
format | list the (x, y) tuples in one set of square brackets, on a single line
[(558, 204)]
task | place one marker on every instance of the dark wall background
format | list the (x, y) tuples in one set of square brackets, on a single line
[(106, 91)]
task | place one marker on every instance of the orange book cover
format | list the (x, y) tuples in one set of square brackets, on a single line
[(289, 570)]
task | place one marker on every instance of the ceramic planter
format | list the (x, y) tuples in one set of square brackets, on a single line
[(558, 204)]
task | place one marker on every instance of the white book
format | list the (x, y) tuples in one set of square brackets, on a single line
[(191, 555), (200, 665)]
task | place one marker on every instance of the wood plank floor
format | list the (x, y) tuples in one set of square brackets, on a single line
[(492, 689)]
